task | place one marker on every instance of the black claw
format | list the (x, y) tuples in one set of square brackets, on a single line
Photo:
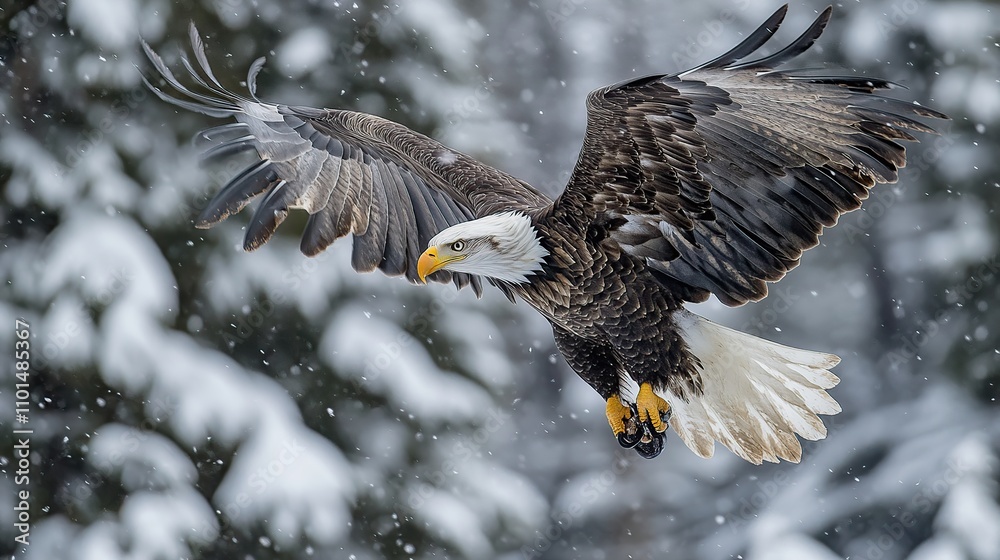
[(648, 425), (634, 409), (652, 448), (628, 441), (651, 444), (634, 432), (641, 436)]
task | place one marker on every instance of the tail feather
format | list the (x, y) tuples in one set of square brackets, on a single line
[(756, 394)]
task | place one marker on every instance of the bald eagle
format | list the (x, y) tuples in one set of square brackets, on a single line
[(709, 181)]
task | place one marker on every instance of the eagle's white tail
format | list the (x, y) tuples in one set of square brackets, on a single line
[(756, 394)]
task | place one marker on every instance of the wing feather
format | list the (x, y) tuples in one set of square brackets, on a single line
[(237, 193), (795, 48), (369, 247), (220, 133), (268, 216), (399, 221), (749, 45)]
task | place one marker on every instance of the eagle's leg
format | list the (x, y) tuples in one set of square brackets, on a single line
[(645, 342), (596, 363)]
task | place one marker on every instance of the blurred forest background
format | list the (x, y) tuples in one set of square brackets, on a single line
[(192, 400)]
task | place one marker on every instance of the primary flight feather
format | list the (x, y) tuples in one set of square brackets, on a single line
[(710, 181)]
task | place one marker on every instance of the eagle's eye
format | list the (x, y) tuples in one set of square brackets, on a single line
[(458, 246)]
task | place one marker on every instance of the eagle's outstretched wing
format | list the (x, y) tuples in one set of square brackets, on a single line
[(389, 186), (721, 176)]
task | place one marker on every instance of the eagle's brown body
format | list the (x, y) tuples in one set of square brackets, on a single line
[(611, 317)]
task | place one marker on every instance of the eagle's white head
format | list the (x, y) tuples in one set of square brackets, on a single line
[(501, 246)]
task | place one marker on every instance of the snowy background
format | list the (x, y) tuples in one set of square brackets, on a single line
[(192, 400)]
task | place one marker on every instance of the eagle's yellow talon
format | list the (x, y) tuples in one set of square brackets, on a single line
[(651, 407), (617, 414)]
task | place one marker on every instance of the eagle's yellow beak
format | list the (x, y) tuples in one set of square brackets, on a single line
[(434, 259), (430, 262)]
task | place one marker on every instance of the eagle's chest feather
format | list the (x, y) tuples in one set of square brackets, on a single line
[(587, 280)]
